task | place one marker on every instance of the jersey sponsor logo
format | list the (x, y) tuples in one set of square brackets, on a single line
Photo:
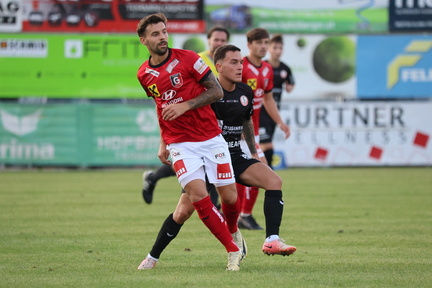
[(244, 100), (252, 83), (224, 171), (259, 93), (200, 66), (173, 101), (176, 80), (171, 65), (154, 90), (168, 95), (233, 144), (175, 154), (180, 168), (153, 72), (220, 155)]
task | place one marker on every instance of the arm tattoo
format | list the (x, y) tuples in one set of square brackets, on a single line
[(212, 94), (248, 134)]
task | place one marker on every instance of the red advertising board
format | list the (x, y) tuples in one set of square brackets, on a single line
[(114, 16)]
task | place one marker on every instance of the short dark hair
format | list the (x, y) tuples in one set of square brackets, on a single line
[(277, 38), (220, 52), (218, 29), (257, 34), (150, 19)]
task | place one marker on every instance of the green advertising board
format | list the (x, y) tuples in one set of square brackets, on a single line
[(78, 134), (71, 65), (305, 17)]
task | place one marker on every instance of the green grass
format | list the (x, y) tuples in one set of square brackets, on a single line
[(353, 227)]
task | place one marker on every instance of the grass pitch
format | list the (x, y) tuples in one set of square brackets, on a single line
[(353, 227)]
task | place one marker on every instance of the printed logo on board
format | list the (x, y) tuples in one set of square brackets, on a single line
[(146, 120), (73, 48), (20, 125), (403, 67), (24, 48)]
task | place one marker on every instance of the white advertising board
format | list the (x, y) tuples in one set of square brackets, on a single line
[(394, 133)]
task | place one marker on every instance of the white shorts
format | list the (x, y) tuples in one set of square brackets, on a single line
[(195, 160), (245, 148)]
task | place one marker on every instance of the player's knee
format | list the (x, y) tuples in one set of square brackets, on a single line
[(182, 215)]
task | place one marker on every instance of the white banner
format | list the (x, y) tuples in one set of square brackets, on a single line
[(355, 134), (11, 15)]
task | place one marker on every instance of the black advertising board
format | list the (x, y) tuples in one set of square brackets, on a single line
[(410, 16)]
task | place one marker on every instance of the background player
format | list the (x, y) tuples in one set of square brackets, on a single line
[(282, 78), (258, 74)]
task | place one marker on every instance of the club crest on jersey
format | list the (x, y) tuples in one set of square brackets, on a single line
[(153, 72), (171, 65), (252, 83), (176, 80), (154, 90), (244, 100), (168, 95), (200, 66)]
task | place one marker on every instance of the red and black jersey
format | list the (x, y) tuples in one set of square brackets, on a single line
[(260, 79), (176, 80), (232, 111)]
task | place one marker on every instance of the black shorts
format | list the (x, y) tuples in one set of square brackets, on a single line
[(240, 162), (267, 128)]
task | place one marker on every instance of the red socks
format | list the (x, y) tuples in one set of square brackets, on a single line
[(249, 200), (231, 212), (215, 222)]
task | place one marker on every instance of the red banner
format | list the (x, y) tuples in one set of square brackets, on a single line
[(122, 16)]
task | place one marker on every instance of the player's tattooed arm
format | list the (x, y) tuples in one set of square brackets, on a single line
[(248, 135), (213, 93)]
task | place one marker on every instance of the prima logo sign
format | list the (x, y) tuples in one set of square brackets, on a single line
[(13, 149), (20, 126)]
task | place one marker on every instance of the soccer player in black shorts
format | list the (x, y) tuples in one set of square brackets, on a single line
[(234, 112), (282, 75)]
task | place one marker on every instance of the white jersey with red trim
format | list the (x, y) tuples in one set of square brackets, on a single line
[(176, 80)]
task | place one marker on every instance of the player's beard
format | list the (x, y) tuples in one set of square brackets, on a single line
[(161, 50)]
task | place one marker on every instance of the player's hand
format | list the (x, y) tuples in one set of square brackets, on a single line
[(173, 111), (289, 87), (163, 155), (285, 128)]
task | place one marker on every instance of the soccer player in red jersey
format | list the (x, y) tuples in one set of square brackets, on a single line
[(258, 74), (234, 114), (183, 86)]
